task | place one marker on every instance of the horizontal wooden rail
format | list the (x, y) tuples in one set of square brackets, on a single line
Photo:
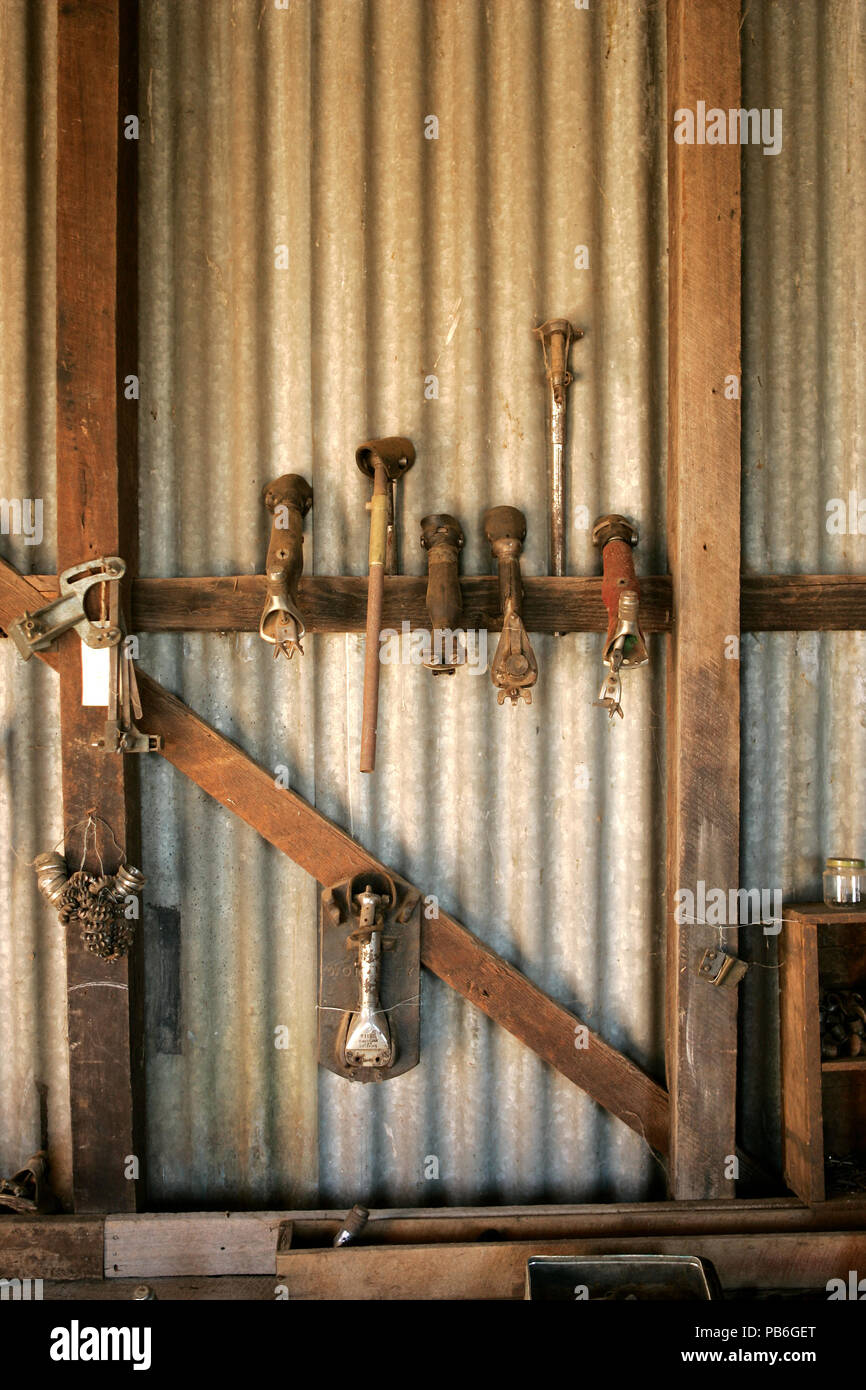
[(233, 603), (225, 1244)]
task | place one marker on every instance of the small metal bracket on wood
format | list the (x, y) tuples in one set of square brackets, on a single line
[(719, 968)]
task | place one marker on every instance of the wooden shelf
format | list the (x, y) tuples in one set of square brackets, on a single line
[(819, 947)]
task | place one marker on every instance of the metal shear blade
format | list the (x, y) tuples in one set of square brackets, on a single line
[(288, 630), (610, 695)]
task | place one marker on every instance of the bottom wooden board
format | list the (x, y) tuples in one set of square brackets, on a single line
[(51, 1247), (498, 1271)]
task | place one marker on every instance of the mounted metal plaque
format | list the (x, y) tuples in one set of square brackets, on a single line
[(369, 977)]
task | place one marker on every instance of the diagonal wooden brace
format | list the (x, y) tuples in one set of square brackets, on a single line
[(448, 949)]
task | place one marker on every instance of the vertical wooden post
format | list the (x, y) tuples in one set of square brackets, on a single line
[(97, 515), (704, 550)]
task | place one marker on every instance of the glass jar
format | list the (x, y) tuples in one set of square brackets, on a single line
[(844, 882)]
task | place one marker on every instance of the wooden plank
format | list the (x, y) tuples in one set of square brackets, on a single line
[(232, 603), (824, 914), (244, 1289), (96, 515), (802, 602), (732, 1217), (800, 1047), (51, 1247), (704, 551), (220, 768), (498, 1271), (191, 1243), (194, 1243)]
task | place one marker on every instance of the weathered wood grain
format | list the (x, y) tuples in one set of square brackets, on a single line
[(703, 695), (96, 515), (233, 603)]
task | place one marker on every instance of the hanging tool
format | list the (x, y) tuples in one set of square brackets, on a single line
[(514, 667), (35, 632), (556, 337), (288, 499), (368, 1037), (624, 646), (122, 734), (385, 461), (369, 967), (442, 538)]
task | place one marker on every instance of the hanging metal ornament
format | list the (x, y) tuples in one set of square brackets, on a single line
[(97, 903)]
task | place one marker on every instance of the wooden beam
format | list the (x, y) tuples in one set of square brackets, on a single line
[(233, 603), (220, 768), (704, 550), (203, 1244), (52, 1247), (803, 603), (498, 1271), (96, 515)]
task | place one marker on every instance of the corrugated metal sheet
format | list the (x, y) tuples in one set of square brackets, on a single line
[(407, 257), (804, 407), (34, 1086), (304, 128)]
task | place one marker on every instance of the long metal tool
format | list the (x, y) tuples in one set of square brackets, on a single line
[(385, 461), (556, 337)]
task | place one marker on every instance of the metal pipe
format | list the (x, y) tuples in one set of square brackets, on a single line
[(556, 336), (385, 461), (375, 595)]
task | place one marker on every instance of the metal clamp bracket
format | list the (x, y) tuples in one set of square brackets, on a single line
[(36, 632)]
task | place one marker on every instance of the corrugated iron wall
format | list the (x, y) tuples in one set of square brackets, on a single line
[(804, 409), (406, 258), (34, 1084), (295, 138)]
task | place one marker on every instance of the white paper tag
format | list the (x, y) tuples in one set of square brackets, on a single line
[(95, 671)]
